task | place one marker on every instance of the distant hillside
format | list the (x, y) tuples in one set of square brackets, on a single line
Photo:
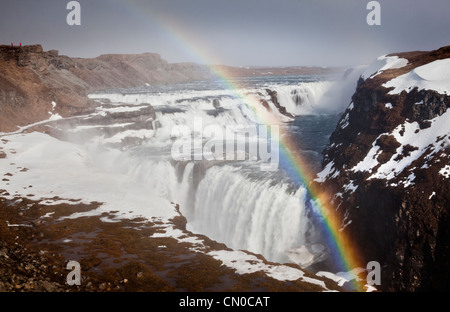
[(31, 79)]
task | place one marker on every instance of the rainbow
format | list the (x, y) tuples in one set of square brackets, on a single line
[(344, 252), (342, 248)]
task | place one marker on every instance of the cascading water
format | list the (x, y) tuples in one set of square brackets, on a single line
[(259, 215), (233, 202)]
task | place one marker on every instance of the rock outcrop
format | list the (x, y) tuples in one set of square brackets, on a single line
[(35, 84), (274, 98), (387, 168), (33, 81)]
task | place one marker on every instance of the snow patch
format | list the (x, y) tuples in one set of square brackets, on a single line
[(245, 263), (344, 123), (340, 280), (409, 180), (343, 277), (445, 172), (410, 134), (70, 174), (54, 117), (433, 76), (17, 225), (350, 187), (370, 161), (47, 215), (381, 64), (170, 231), (321, 176)]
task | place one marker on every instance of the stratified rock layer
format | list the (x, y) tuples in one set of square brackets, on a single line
[(31, 79)]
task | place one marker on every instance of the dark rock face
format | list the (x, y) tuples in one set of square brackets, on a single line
[(216, 103), (400, 220), (274, 97), (432, 104), (8, 53)]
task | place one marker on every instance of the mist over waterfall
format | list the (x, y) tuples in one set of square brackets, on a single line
[(320, 97), (232, 202)]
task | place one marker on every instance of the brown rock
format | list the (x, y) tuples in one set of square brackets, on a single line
[(402, 227)]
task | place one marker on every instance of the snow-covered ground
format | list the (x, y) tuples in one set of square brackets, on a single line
[(45, 169), (433, 76), (410, 134), (382, 64), (42, 168)]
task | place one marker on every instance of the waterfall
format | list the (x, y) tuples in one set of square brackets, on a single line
[(261, 216), (231, 202)]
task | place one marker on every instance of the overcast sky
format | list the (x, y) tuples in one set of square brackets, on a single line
[(233, 32)]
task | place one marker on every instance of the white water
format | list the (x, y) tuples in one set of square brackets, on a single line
[(232, 203), (255, 215), (301, 98), (307, 98), (224, 202)]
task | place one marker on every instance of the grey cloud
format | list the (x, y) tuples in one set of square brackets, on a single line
[(244, 32)]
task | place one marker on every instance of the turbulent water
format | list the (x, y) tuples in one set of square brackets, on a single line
[(231, 201)]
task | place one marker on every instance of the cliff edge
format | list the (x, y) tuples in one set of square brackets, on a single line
[(36, 84), (387, 168)]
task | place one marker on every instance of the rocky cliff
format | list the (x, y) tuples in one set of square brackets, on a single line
[(34, 84), (387, 168), (33, 81)]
